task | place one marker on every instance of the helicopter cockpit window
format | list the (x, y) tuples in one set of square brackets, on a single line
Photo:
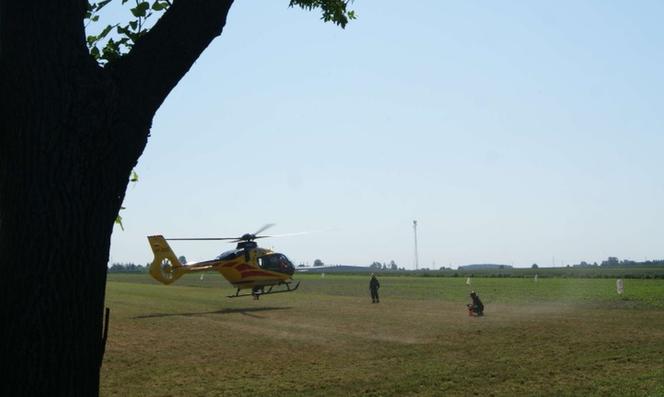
[(274, 262), (229, 255)]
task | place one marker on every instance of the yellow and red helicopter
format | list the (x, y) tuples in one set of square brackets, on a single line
[(246, 267)]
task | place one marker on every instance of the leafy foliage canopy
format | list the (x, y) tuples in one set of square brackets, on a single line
[(118, 38)]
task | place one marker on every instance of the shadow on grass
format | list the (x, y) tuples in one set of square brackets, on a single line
[(244, 311)]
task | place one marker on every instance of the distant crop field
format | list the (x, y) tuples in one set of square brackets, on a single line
[(553, 337)]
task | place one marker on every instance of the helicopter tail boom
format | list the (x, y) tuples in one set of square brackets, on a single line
[(165, 267)]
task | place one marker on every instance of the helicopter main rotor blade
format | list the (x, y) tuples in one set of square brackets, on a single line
[(254, 237), (237, 240), (246, 237), (203, 238), (264, 228), (289, 234)]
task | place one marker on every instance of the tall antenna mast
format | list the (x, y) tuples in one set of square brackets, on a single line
[(416, 256)]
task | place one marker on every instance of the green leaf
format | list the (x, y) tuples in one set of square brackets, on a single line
[(118, 221), (125, 42), (158, 6), (91, 40), (104, 32), (90, 7), (102, 4), (124, 30), (111, 51), (94, 51), (134, 177), (332, 10), (140, 9)]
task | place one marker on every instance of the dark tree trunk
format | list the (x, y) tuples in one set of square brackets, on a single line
[(62, 181), (70, 134)]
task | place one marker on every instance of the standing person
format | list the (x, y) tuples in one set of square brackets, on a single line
[(373, 287), (476, 307)]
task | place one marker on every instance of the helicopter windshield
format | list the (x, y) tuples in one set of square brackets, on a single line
[(276, 262)]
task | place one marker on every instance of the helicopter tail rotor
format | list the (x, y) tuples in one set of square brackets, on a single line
[(165, 267)]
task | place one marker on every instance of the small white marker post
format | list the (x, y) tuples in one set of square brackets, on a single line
[(468, 281), (620, 287), (535, 278)]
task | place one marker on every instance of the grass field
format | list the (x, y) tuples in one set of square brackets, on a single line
[(555, 337)]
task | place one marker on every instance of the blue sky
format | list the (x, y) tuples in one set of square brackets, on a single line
[(515, 132)]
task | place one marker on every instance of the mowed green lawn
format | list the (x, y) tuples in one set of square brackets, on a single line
[(555, 337)]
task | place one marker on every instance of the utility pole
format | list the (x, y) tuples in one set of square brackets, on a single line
[(416, 256)]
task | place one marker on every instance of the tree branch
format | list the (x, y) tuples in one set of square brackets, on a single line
[(163, 55)]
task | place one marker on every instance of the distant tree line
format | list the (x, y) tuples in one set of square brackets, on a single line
[(133, 268), (485, 266), (374, 266), (385, 266), (127, 268), (610, 268), (613, 261)]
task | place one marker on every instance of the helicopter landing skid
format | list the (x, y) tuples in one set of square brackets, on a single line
[(267, 291)]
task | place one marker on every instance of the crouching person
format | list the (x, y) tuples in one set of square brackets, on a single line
[(476, 307)]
